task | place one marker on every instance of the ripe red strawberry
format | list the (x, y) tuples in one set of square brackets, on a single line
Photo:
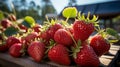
[(12, 17), (3, 47), (1, 37), (15, 50), (100, 45), (82, 30), (45, 36), (63, 37), (6, 23), (36, 50), (53, 29), (86, 57), (22, 27), (30, 37), (59, 54), (12, 40), (36, 28)]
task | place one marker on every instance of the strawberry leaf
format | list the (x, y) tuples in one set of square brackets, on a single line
[(112, 32), (30, 21), (70, 12), (1, 16), (10, 31), (26, 24), (112, 41)]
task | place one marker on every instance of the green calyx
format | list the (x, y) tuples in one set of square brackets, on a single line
[(109, 33), (52, 43), (76, 49), (3, 41), (87, 19), (50, 22), (23, 50), (47, 24)]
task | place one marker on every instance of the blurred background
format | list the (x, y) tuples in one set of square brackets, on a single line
[(107, 10)]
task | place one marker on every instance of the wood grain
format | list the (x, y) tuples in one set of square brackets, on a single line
[(6, 60)]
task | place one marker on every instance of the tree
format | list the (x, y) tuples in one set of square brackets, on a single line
[(23, 3), (32, 4), (33, 10), (3, 6), (47, 8), (72, 2)]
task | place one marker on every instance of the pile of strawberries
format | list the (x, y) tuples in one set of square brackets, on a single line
[(56, 40)]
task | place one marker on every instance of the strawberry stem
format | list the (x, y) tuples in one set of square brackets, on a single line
[(47, 19), (52, 43), (67, 19), (73, 39)]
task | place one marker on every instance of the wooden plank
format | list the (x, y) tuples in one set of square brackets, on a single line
[(115, 62), (106, 59), (23, 61), (26, 61)]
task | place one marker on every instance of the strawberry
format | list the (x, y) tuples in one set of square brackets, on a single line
[(12, 40), (82, 30), (59, 54), (86, 57), (36, 50), (15, 50), (6, 23), (1, 37), (3, 47), (45, 36), (36, 28), (70, 30), (53, 29), (63, 37), (31, 37), (22, 27), (100, 45), (12, 17)]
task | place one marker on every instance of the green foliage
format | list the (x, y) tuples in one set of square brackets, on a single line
[(46, 9), (10, 31), (1, 15), (70, 12), (26, 24), (29, 21), (112, 32)]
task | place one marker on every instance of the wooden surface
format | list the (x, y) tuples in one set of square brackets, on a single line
[(6, 60), (107, 59)]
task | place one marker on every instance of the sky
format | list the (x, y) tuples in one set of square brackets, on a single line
[(60, 4)]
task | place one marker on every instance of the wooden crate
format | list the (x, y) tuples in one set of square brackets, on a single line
[(7, 61)]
